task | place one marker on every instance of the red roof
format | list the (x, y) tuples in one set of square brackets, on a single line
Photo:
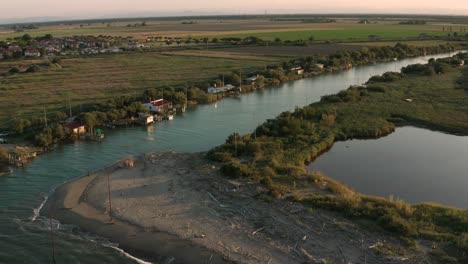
[(73, 125), (161, 102)]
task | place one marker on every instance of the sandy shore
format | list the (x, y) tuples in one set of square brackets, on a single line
[(179, 205)]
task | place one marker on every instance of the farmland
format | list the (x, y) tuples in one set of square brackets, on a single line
[(265, 29), (344, 32), (94, 79)]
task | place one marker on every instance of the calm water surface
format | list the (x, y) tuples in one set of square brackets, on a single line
[(414, 164), (23, 240)]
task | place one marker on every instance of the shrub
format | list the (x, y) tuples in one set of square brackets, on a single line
[(14, 70), (236, 169), (33, 68), (3, 154), (222, 156), (396, 224)]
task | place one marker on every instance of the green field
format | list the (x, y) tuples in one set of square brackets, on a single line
[(267, 30), (348, 32), (94, 79)]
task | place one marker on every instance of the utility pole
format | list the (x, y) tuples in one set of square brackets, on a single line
[(110, 199), (240, 82), (45, 117), (69, 105), (52, 238), (255, 129), (235, 142)]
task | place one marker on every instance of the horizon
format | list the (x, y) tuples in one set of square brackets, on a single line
[(87, 9)]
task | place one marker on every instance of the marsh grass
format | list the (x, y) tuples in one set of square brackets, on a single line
[(285, 145)]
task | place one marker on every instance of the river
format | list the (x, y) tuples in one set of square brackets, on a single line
[(25, 238)]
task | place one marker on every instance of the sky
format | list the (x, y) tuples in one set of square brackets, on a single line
[(63, 9)]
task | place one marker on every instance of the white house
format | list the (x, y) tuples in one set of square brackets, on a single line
[(158, 105), (297, 70), (32, 53), (319, 65), (145, 119), (252, 79), (214, 90)]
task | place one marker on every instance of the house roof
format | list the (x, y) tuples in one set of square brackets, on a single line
[(73, 125), (161, 102)]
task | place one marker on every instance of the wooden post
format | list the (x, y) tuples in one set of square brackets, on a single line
[(52, 239), (235, 142), (110, 199)]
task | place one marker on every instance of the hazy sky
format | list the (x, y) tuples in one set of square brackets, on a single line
[(104, 8)]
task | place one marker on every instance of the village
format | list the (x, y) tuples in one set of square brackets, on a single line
[(28, 47)]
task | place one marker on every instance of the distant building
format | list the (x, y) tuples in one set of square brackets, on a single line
[(252, 80), (32, 53), (297, 70), (158, 105), (215, 90), (145, 119), (76, 127)]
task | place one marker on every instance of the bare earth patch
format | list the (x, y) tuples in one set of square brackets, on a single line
[(183, 196)]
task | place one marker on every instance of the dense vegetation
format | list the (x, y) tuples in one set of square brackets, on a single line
[(276, 154), (124, 107)]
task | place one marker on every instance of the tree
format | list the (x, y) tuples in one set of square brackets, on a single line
[(311, 38), (214, 40), (277, 40), (180, 98), (90, 120), (26, 37), (59, 132), (14, 70), (20, 125), (45, 138)]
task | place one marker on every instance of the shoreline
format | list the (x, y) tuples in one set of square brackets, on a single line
[(133, 239), (186, 210), (252, 88)]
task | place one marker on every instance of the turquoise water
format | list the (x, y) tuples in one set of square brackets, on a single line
[(23, 240)]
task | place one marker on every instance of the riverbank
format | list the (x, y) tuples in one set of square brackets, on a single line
[(179, 205), (277, 153)]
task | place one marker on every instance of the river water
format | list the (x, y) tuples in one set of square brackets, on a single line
[(25, 238), (414, 164)]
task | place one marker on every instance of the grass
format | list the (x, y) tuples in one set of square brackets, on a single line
[(346, 32), (267, 30), (278, 155), (95, 79)]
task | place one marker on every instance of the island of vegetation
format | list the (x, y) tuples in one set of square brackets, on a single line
[(253, 199)]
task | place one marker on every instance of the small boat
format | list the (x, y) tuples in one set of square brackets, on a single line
[(170, 117)]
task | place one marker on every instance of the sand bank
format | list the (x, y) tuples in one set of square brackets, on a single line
[(179, 205)]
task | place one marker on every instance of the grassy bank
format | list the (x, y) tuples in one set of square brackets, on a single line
[(276, 155), (84, 82), (91, 80)]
